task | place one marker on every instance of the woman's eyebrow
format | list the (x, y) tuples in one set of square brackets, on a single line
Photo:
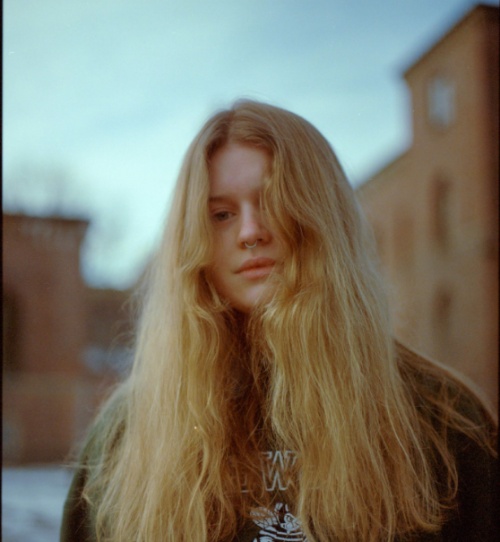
[(217, 199), (224, 197)]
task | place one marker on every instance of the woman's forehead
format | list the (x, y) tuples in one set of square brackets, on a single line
[(237, 167)]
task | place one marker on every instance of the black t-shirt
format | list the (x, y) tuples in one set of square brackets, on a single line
[(278, 522)]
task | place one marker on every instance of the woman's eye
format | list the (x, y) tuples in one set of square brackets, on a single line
[(220, 216)]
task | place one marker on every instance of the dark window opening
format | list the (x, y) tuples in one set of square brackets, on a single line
[(442, 213), (443, 313)]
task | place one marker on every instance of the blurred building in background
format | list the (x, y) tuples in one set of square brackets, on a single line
[(61, 344), (434, 209)]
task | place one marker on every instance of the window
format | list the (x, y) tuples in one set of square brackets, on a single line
[(441, 212), (441, 102), (442, 317)]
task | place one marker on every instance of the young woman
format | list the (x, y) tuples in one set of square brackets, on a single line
[(268, 399)]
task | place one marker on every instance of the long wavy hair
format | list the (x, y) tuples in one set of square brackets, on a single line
[(314, 370)]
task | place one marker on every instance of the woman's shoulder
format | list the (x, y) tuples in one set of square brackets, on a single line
[(103, 435), (108, 426), (453, 412), (438, 387)]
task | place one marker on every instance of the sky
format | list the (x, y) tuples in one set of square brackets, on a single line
[(101, 98)]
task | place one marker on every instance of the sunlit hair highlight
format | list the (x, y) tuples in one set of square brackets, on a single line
[(314, 370)]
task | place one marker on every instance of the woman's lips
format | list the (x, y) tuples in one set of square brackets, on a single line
[(256, 268)]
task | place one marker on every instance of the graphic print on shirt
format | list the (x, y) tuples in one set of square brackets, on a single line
[(278, 524), (275, 467)]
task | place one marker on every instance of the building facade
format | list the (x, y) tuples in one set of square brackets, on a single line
[(53, 325), (434, 209)]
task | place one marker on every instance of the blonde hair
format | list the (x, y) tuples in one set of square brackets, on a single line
[(314, 370)]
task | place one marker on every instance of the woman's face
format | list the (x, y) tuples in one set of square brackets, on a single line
[(245, 250)]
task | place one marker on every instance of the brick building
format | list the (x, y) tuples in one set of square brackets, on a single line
[(52, 377), (434, 209)]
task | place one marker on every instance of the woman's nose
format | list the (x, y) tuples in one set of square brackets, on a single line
[(253, 229)]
